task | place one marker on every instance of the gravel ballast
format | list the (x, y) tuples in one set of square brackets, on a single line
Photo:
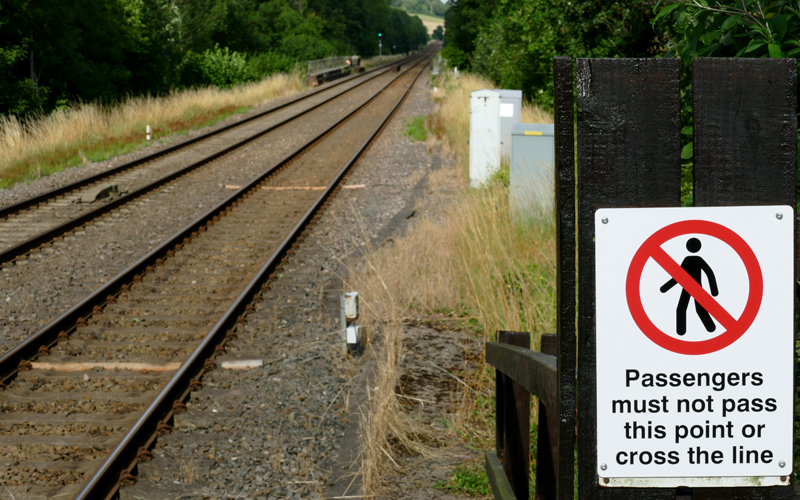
[(45, 284), (275, 431)]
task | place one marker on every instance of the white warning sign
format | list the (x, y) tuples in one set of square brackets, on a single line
[(695, 346)]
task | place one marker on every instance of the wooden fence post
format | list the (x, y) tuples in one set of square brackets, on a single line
[(745, 139), (547, 434), (628, 156), (745, 153), (517, 416), (565, 217)]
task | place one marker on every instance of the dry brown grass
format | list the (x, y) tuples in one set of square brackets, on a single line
[(450, 121), (189, 472), (470, 266), (90, 132), (384, 427), (474, 268)]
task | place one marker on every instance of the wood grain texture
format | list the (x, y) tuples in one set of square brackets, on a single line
[(497, 478), (516, 438), (745, 131), (628, 156), (745, 153), (547, 452), (565, 217), (534, 371)]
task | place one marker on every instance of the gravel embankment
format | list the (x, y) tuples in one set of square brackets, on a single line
[(48, 283), (275, 431)]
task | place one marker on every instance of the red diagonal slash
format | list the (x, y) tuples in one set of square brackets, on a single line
[(694, 289), (651, 248)]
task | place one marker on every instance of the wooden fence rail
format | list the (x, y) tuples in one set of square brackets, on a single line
[(520, 373)]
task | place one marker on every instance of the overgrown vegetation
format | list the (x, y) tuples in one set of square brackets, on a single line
[(450, 122), (513, 41), (33, 146), (54, 52), (485, 273), (732, 28), (729, 28)]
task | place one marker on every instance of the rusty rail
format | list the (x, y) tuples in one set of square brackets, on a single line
[(122, 461), (44, 237), (35, 200)]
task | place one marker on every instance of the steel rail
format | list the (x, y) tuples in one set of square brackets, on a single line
[(77, 314), (35, 200), (41, 198), (126, 452), (48, 235), (123, 459)]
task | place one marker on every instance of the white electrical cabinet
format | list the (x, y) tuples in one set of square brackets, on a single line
[(510, 111), (484, 136)]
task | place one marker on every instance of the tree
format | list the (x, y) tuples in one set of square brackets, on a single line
[(438, 33), (52, 51), (513, 41), (732, 28)]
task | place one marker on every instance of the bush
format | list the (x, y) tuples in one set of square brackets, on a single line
[(513, 42), (267, 63), (304, 47), (224, 68), (220, 67), (455, 56), (729, 28)]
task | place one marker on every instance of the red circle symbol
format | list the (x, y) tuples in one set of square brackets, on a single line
[(734, 328)]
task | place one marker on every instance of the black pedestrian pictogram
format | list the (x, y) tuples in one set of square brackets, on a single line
[(651, 250), (694, 265)]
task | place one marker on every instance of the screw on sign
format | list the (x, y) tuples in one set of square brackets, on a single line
[(694, 346)]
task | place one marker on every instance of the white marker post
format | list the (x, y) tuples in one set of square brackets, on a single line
[(695, 346), (147, 132)]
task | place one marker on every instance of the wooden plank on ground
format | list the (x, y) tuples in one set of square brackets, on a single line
[(497, 478), (105, 365)]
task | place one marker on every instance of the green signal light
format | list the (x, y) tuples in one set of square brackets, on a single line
[(379, 34)]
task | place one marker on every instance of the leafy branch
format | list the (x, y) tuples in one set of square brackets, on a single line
[(756, 28)]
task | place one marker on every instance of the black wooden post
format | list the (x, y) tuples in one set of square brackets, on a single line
[(517, 416), (565, 276), (547, 444), (745, 153), (499, 409), (628, 156)]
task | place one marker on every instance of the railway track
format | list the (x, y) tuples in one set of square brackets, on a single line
[(27, 225), (85, 398)]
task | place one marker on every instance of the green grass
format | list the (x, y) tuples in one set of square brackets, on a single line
[(429, 18), (415, 129), (469, 480)]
